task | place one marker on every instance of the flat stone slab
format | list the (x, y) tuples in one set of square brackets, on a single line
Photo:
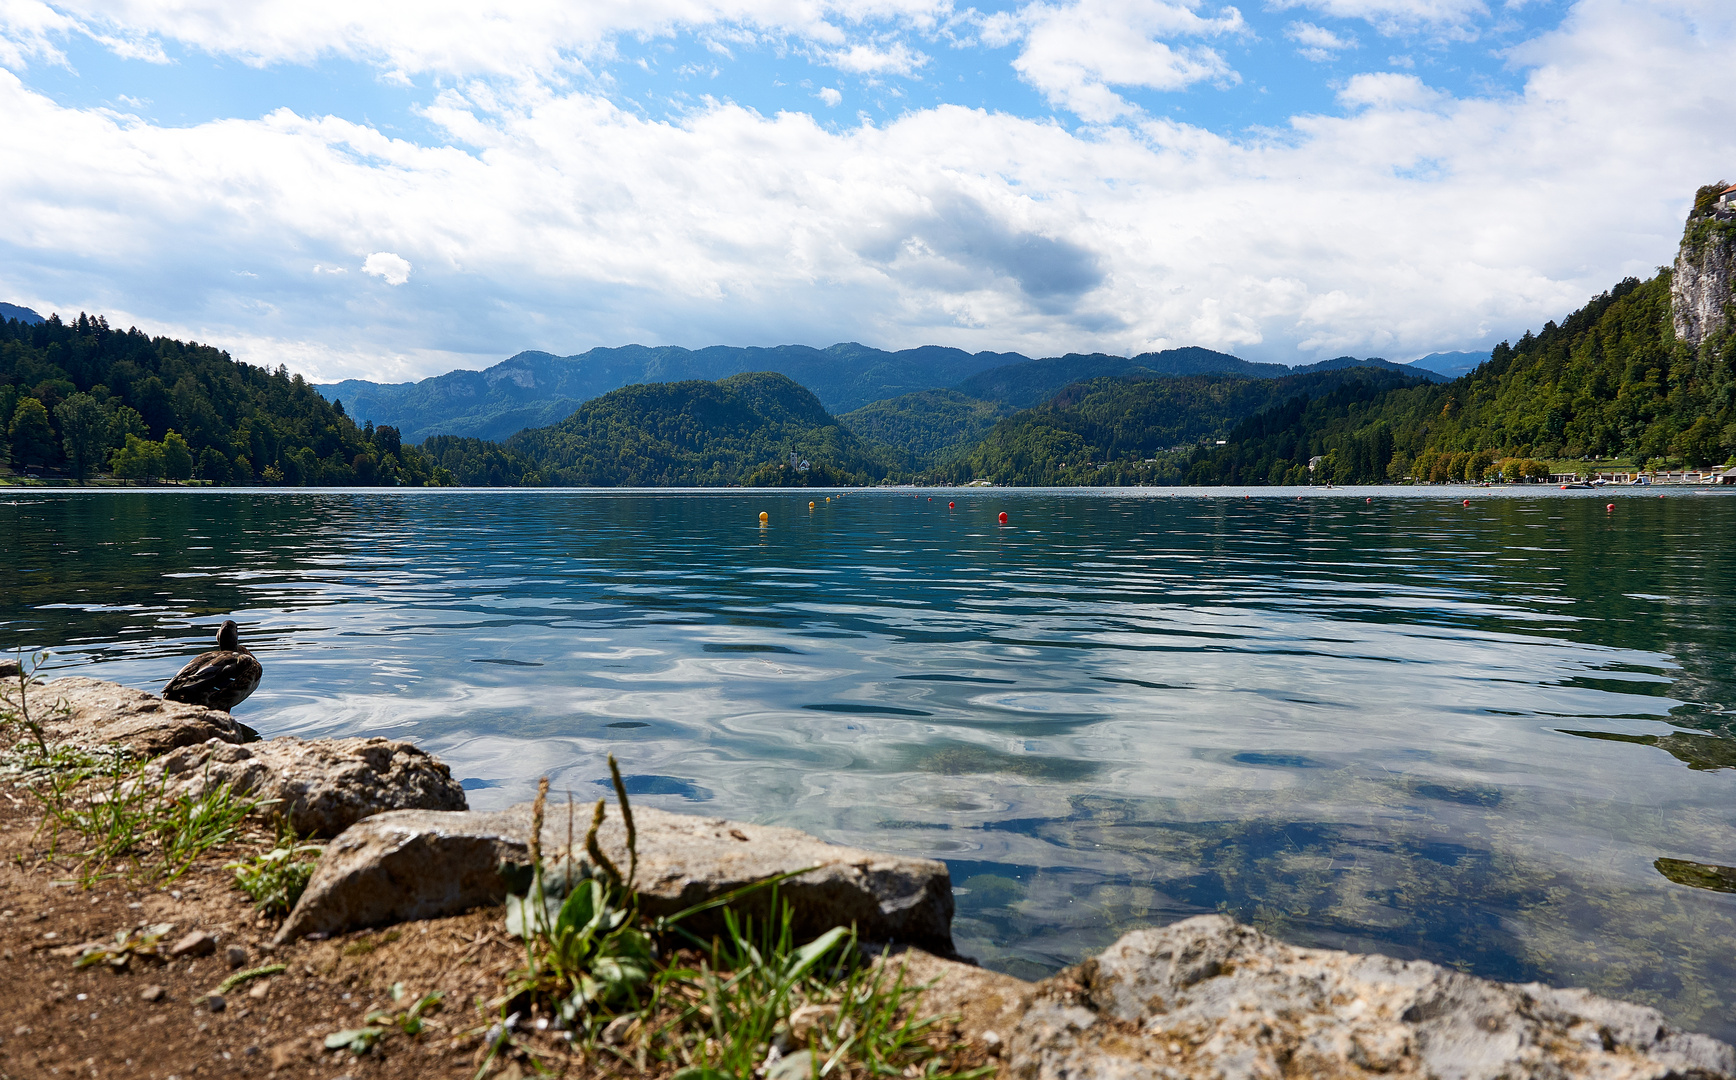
[(94, 712), (1206, 997), (320, 786), (408, 865)]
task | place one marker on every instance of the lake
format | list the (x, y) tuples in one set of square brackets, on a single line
[(1497, 736)]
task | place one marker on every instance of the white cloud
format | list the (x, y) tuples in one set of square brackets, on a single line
[(1449, 18), (1389, 90), (530, 39), (830, 96), (1317, 43), (1410, 221), (391, 268), (865, 59), (28, 32), (1075, 53)]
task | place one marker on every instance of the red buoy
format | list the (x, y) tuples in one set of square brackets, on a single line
[(951, 505), (1467, 502), (1003, 517), (1610, 507), (1367, 500)]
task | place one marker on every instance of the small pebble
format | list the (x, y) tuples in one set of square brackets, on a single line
[(152, 993), (235, 956), (259, 991), (215, 1003), (196, 943)]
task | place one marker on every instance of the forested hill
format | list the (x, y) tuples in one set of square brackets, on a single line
[(1610, 381), (1128, 429), (1032, 382), (739, 430), (926, 426), (78, 398), (533, 389)]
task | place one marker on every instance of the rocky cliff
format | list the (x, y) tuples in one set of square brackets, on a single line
[(1703, 288)]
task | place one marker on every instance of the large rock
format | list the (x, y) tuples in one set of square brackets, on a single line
[(416, 865), (94, 712), (320, 786), (1208, 998)]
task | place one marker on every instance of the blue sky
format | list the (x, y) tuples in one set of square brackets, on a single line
[(369, 190)]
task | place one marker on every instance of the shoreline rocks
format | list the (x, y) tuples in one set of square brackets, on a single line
[(411, 864), (87, 711), (321, 786), (1208, 997)]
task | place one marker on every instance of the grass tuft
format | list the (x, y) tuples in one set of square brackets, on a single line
[(274, 880), (753, 1002)]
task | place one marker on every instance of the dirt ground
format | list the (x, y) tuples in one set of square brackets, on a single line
[(56, 1021), (152, 1018)]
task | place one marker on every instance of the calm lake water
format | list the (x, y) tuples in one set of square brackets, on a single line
[(1375, 720)]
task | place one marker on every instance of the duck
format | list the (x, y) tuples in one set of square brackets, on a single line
[(221, 678)]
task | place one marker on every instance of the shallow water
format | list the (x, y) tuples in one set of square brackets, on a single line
[(1401, 725)]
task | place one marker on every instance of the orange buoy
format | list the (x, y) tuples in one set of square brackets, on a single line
[(810, 506), (764, 517), (1003, 517)]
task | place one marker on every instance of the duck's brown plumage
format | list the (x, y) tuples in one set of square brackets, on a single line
[(219, 679)]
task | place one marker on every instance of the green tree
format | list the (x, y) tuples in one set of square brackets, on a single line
[(213, 466), (139, 459), (123, 421), (83, 431), (32, 438), (177, 457)]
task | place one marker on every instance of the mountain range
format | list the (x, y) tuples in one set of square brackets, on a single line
[(538, 389)]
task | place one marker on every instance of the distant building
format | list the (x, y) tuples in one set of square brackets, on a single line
[(1726, 199)]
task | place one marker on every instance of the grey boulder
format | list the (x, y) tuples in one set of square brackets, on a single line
[(93, 712), (416, 865), (319, 786), (1206, 997)]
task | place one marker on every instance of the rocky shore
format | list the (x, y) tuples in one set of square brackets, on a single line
[(407, 892)]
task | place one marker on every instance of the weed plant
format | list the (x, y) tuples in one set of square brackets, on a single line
[(275, 880), (15, 711), (751, 1002)]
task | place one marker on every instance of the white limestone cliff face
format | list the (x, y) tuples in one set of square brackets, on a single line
[(1703, 288)]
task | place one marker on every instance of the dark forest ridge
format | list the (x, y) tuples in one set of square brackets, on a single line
[(537, 389)]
